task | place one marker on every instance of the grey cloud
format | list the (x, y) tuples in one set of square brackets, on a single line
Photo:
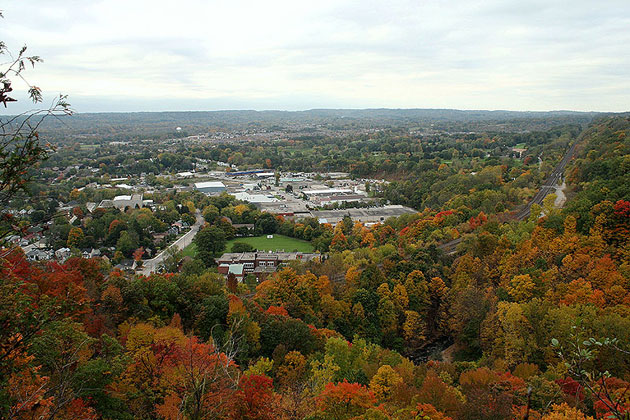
[(512, 54)]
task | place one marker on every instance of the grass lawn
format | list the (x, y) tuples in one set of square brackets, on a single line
[(278, 242), (190, 250), (88, 146), (261, 243)]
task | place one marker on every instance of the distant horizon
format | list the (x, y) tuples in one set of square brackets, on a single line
[(355, 109), (7, 111)]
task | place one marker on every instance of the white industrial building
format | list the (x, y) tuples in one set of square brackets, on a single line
[(210, 187), (255, 198), (265, 174), (327, 192), (121, 202), (367, 216)]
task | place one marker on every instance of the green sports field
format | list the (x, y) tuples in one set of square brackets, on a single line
[(278, 242), (261, 243)]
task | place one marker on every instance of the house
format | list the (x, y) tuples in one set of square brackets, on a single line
[(158, 238), (90, 252), (177, 228), (519, 151), (127, 265), (62, 254), (243, 229), (38, 255)]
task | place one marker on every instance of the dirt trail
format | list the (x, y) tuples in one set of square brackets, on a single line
[(561, 198), (448, 353)]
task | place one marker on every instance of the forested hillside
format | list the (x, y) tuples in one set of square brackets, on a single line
[(529, 319)]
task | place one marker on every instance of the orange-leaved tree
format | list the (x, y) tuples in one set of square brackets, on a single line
[(254, 399), (345, 400)]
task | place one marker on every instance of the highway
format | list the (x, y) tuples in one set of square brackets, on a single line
[(152, 265), (548, 187)]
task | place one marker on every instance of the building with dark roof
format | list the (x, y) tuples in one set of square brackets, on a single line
[(259, 264)]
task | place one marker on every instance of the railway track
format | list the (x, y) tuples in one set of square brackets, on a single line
[(545, 189)]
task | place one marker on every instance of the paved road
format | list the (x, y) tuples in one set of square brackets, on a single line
[(151, 266), (548, 187)]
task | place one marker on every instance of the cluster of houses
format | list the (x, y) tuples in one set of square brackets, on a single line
[(175, 229), (35, 245), (38, 252)]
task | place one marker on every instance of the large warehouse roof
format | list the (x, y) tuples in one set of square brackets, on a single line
[(209, 184)]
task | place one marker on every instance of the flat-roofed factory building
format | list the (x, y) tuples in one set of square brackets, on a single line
[(121, 202), (367, 216), (210, 187)]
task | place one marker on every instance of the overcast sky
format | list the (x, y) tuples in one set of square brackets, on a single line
[(152, 55)]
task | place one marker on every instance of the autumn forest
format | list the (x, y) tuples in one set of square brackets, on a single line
[(522, 319)]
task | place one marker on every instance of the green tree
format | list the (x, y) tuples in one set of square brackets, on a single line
[(242, 247), (210, 243), (173, 257), (251, 282), (188, 218), (126, 243), (211, 317), (267, 223), (211, 214)]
